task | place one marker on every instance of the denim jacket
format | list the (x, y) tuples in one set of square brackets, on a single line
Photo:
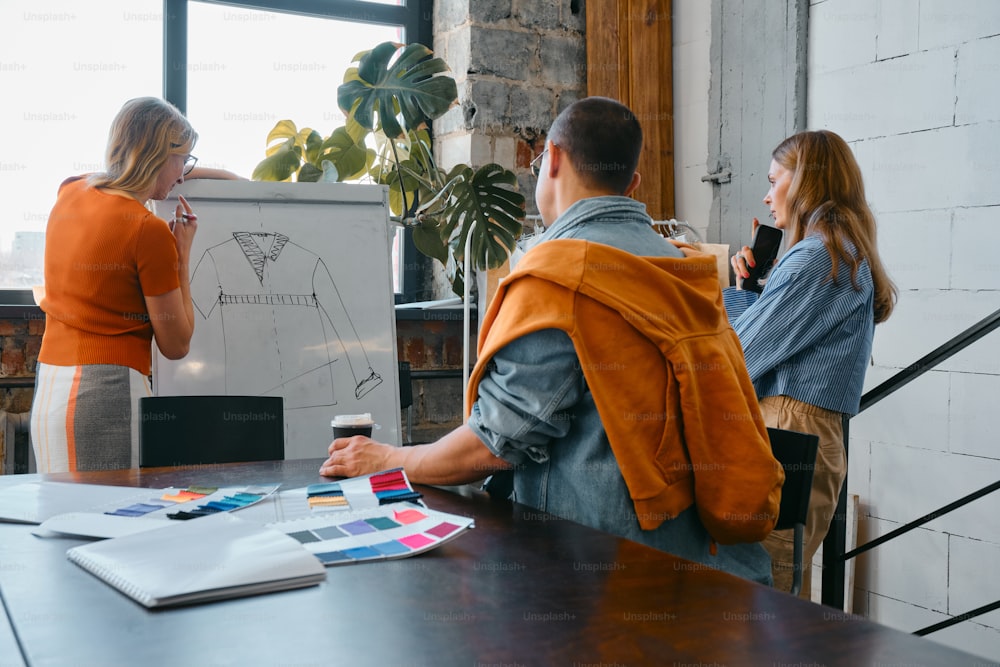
[(534, 409)]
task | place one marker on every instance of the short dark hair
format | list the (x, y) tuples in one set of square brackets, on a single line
[(603, 139)]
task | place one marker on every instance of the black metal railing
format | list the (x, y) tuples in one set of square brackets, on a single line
[(834, 556)]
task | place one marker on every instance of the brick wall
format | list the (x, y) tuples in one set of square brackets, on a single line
[(431, 341), (20, 340), (517, 64)]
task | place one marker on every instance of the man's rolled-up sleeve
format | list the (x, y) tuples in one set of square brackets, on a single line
[(524, 396)]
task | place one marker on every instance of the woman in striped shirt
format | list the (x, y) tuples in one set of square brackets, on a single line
[(807, 337)]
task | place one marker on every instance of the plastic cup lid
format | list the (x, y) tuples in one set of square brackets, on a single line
[(364, 419)]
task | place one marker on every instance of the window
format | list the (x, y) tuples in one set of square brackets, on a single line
[(234, 70), (65, 72), (243, 76)]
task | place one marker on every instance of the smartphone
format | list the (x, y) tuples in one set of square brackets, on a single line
[(766, 242)]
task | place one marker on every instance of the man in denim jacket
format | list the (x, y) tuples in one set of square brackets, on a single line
[(549, 387)]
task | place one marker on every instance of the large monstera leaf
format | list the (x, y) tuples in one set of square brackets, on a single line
[(380, 87), (483, 196), (285, 148)]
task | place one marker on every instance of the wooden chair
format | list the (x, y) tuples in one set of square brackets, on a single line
[(797, 454), (192, 430)]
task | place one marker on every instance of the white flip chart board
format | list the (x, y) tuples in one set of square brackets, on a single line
[(293, 297)]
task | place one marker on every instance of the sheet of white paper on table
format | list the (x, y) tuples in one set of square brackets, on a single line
[(34, 502), (93, 524)]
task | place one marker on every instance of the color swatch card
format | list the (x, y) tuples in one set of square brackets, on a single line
[(146, 508), (380, 488), (395, 530), (347, 495)]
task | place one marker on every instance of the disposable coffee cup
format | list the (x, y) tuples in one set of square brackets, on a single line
[(344, 426)]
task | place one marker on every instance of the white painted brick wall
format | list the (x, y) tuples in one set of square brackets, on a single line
[(973, 427), (983, 357), (841, 34), (925, 319), (976, 240), (906, 94), (978, 96), (909, 483), (915, 416), (952, 22), (935, 169), (969, 637), (969, 585), (907, 240), (921, 581), (914, 85), (898, 28)]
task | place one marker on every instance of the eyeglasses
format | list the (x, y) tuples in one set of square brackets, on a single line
[(189, 164), (536, 164)]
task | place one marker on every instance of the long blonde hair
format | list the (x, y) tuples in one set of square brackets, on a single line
[(146, 131), (827, 196)]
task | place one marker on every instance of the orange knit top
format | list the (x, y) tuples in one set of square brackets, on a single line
[(103, 255)]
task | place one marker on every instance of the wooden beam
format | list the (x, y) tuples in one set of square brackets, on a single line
[(630, 58)]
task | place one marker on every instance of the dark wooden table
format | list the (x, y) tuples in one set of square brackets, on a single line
[(522, 588)]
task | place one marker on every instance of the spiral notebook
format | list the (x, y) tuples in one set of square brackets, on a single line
[(216, 557)]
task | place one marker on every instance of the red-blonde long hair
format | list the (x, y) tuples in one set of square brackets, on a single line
[(827, 196)]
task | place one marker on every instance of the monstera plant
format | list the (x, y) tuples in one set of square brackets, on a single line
[(390, 95)]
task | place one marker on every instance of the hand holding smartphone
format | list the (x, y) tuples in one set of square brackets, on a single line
[(766, 242)]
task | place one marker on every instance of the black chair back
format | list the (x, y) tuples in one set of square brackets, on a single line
[(192, 430), (797, 454)]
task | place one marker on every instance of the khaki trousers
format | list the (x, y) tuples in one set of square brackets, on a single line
[(831, 470)]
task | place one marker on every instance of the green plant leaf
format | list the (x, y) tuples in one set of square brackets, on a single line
[(312, 144), (309, 173), (484, 197), (350, 157), (456, 276), (413, 86), (279, 135), (280, 164), (399, 204), (427, 238)]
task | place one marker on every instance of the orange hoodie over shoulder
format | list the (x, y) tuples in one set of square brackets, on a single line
[(666, 371)]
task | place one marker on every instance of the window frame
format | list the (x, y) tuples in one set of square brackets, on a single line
[(415, 17)]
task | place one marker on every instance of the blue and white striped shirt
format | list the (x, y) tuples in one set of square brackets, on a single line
[(805, 336)]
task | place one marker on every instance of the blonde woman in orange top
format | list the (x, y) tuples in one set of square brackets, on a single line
[(116, 278)]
